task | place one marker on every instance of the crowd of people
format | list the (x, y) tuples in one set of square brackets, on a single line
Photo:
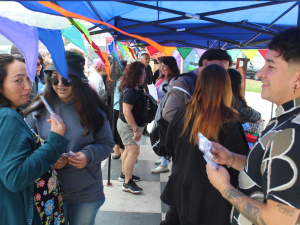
[(50, 168)]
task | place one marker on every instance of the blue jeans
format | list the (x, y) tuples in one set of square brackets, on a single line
[(82, 213), (164, 161)]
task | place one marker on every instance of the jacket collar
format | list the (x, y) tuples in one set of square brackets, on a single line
[(288, 107)]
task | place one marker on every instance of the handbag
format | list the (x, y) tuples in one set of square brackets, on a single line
[(47, 194)]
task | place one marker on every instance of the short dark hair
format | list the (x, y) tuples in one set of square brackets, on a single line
[(287, 44), (15, 50), (215, 54), (40, 57)]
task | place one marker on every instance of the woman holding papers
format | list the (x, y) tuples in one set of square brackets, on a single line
[(208, 112), (168, 71), (89, 135)]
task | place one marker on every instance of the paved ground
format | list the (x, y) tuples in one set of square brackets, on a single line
[(123, 208)]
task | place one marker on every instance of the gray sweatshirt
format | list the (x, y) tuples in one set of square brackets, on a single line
[(78, 185)]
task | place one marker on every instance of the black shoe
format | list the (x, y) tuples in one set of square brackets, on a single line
[(131, 187), (146, 133), (116, 156), (134, 177)]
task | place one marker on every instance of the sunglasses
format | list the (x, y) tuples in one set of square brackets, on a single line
[(39, 64), (55, 81)]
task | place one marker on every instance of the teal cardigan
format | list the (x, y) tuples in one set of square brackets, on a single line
[(21, 165)]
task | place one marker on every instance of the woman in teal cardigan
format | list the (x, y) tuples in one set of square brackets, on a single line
[(20, 162)]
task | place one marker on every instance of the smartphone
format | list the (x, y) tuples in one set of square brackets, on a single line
[(48, 108), (211, 163)]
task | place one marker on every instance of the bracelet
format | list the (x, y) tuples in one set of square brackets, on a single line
[(232, 160), (135, 129)]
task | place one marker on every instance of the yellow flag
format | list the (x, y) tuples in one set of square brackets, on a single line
[(250, 54), (169, 50)]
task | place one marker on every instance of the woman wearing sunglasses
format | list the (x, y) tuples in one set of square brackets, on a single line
[(89, 135)]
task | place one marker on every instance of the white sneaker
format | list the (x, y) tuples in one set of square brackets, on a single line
[(158, 161), (160, 169)]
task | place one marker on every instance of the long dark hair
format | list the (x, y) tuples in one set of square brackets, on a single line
[(132, 75), (117, 73), (236, 82), (210, 105), (170, 61), (87, 104), (5, 60)]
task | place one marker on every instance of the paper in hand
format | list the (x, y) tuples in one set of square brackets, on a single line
[(152, 91), (205, 146)]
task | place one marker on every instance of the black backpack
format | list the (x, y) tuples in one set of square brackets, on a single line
[(149, 108), (158, 133), (147, 114)]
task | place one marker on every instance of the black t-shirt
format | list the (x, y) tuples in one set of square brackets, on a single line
[(133, 97)]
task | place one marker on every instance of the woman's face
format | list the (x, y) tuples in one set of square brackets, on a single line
[(63, 92), (165, 70), (143, 76), (17, 85)]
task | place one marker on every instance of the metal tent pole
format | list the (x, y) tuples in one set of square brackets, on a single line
[(112, 122)]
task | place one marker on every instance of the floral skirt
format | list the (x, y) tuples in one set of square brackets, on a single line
[(48, 199)]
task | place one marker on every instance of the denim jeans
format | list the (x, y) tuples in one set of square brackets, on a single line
[(82, 213), (164, 161)]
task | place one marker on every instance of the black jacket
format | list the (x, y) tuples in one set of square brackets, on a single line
[(148, 79), (247, 113), (188, 188)]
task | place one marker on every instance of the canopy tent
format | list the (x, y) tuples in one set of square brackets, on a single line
[(196, 24)]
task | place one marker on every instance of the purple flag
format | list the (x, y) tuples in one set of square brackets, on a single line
[(26, 38), (200, 51), (113, 51)]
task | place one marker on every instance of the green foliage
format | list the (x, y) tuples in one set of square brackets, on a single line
[(253, 86)]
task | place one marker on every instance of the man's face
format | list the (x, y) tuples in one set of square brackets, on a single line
[(145, 60), (222, 63), (278, 78)]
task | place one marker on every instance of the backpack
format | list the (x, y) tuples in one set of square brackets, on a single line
[(149, 108), (160, 126), (147, 113)]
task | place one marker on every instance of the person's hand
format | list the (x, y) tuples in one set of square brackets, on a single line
[(220, 178), (221, 155), (157, 100), (59, 127), (80, 161), (61, 162), (137, 135)]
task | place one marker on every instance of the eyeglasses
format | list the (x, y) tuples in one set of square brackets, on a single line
[(65, 82), (38, 64)]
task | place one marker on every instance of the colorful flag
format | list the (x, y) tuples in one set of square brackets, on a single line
[(114, 53), (53, 41), (26, 38)]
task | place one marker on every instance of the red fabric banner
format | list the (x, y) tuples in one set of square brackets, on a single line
[(151, 50), (263, 52)]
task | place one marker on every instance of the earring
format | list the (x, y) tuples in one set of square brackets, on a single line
[(295, 88)]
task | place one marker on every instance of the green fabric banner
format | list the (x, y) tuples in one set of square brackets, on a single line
[(184, 52), (121, 48), (234, 53)]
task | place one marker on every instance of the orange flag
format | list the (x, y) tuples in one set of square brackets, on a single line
[(74, 15), (169, 50), (132, 53)]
